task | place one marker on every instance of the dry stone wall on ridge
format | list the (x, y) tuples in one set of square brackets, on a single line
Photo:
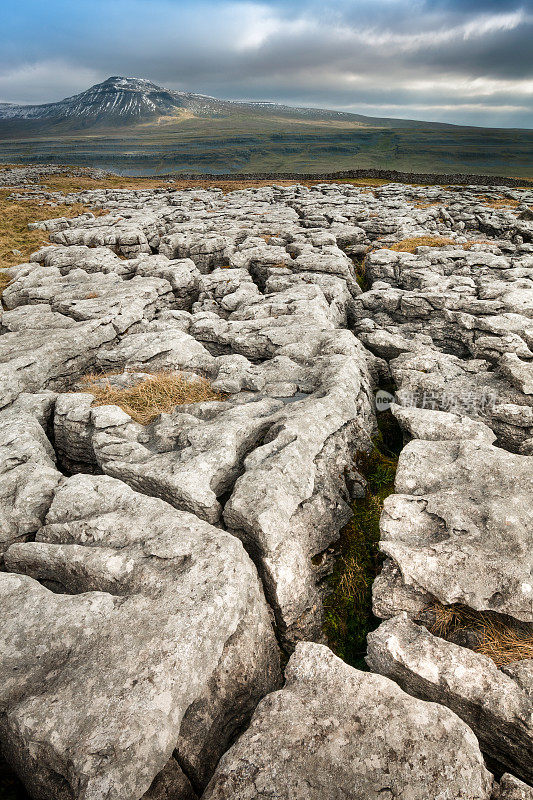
[(155, 571)]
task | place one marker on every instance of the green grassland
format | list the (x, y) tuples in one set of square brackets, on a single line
[(262, 142)]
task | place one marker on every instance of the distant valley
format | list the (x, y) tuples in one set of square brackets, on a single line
[(133, 126)]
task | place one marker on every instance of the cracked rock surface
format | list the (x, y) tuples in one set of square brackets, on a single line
[(124, 615), (493, 703), (307, 736), (151, 572)]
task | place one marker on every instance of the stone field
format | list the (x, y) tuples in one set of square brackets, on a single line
[(162, 578)]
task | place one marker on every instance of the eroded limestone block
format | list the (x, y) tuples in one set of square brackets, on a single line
[(335, 732), (293, 497), (156, 638), (42, 349), (496, 707), (29, 477), (460, 525)]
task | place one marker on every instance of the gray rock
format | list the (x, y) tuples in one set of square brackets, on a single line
[(495, 706), (156, 638), (158, 346), (39, 405), (335, 732), (513, 789), (171, 784), (250, 289), (182, 275), (29, 477), (189, 458), (41, 349), (83, 296), (291, 503), (90, 259), (423, 423), (520, 373), (443, 526)]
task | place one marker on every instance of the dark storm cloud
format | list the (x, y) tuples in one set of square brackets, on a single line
[(467, 61)]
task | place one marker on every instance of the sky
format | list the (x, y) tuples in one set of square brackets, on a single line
[(461, 61)]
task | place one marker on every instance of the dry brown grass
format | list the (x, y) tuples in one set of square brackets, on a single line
[(73, 183), (501, 202), (5, 280), (410, 245), (496, 639), (76, 183), (505, 645), (158, 394), (447, 619), (14, 219)]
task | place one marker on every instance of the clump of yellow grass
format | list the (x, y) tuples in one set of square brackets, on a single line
[(410, 245), (158, 393), (496, 639)]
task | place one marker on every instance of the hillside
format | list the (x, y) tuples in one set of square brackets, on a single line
[(134, 126)]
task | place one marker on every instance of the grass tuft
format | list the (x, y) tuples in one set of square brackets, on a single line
[(14, 219), (499, 203), (493, 636), (5, 280), (157, 394), (410, 245)]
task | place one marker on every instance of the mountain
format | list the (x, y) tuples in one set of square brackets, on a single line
[(134, 127), (126, 101)]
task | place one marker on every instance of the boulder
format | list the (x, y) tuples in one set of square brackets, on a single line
[(443, 526), (497, 707), (132, 631), (334, 732)]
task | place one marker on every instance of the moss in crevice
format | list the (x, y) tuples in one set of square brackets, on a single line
[(348, 606), (361, 275)]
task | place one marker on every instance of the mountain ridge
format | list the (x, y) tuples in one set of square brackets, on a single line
[(127, 100), (135, 99), (134, 126)]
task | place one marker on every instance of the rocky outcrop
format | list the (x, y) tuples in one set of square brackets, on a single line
[(333, 731), (149, 568), (134, 631)]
